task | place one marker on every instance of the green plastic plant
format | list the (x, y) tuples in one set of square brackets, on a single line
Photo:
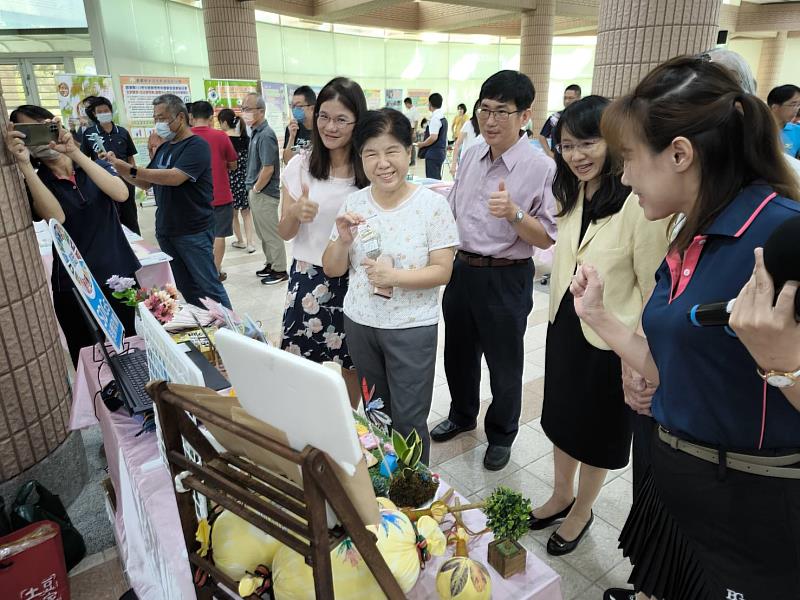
[(408, 449), (507, 514)]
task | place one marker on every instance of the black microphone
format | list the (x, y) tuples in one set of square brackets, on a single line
[(782, 261)]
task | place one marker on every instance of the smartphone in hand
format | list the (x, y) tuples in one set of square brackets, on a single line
[(38, 134)]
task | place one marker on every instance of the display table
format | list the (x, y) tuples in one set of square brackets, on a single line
[(155, 271), (147, 526)]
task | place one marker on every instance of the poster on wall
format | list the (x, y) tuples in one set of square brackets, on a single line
[(228, 93), (73, 88), (420, 99), (138, 93), (277, 113), (394, 98), (374, 98)]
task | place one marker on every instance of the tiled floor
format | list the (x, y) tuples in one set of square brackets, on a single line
[(597, 563)]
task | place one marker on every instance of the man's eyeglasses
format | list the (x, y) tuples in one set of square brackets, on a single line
[(501, 116), (339, 122)]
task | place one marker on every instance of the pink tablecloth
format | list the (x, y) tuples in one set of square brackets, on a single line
[(147, 525)]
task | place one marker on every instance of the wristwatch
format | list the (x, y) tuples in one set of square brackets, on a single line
[(779, 379), (134, 171), (519, 216)]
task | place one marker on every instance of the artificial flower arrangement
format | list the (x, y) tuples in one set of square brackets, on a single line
[(162, 302), (393, 460)]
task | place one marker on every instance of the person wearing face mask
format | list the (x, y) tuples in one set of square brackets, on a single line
[(298, 132), (106, 136), (180, 175), (66, 185)]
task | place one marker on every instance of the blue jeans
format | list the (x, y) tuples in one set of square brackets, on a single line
[(193, 266)]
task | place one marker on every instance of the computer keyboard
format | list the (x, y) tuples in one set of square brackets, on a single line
[(134, 375)]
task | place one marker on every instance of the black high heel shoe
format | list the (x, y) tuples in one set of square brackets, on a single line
[(558, 546), (536, 523)]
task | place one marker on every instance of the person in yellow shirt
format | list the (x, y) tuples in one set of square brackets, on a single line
[(459, 120), (584, 412)]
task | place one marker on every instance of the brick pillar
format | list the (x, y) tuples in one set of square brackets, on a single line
[(34, 396), (231, 39), (535, 52), (770, 64), (634, 36)]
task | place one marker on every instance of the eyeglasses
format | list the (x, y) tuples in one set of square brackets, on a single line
[(586, 147), (249, 109), (792, 105), (339, 122), (164, 119), (501, 116)]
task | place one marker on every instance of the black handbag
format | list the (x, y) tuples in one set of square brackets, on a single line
[(44, 505)]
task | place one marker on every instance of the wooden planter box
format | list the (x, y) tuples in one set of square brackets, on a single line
[(507, 557)]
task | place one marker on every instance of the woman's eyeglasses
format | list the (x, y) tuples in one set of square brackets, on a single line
[(339, 122), (586, 147)]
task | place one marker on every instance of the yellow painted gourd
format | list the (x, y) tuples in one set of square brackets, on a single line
[(352, 579), (239, 546), (461, 578)]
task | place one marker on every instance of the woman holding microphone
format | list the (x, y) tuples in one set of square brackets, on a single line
[(718, 515)]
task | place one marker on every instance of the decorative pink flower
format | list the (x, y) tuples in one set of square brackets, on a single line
[(315, 325), (310, 304), (294, 349), (333, 340), (320, 291), (171, 290)]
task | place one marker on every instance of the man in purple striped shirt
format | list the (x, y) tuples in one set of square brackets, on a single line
[(504, 206)]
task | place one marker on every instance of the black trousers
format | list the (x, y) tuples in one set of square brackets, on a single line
[(73, 324), (127, 211), (486, 314), (433, 168)]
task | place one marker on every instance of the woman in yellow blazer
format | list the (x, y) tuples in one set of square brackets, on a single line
[(584, 413)]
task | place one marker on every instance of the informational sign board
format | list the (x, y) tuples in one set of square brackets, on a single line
[(86, 284), (74, 88), (374, 98), (229, 93), (138, 93), (277, 114), (394, 98)]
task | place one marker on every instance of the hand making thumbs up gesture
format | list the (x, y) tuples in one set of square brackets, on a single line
[(304, 210), (500, 204)]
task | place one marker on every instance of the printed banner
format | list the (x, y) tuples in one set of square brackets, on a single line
[(138, 93), (73, 89), (394, 98), (228, 93), (374, 98), (87, 285), (420, 99), (277, 114)]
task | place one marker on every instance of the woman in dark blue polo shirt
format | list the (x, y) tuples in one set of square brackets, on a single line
[(718, 516), (69, 187)]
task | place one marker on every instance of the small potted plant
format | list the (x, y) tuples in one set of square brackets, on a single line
[(507, 515), (411, 484)]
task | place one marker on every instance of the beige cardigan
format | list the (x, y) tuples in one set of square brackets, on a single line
[(625, 248)]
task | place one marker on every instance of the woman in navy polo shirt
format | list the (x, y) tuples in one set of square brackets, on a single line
[(718, 515), (68, 187)]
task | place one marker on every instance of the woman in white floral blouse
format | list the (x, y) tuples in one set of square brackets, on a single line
[(398, 240), (315, 184)]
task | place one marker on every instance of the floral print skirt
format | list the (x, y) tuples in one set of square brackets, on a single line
[(313, 319)]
